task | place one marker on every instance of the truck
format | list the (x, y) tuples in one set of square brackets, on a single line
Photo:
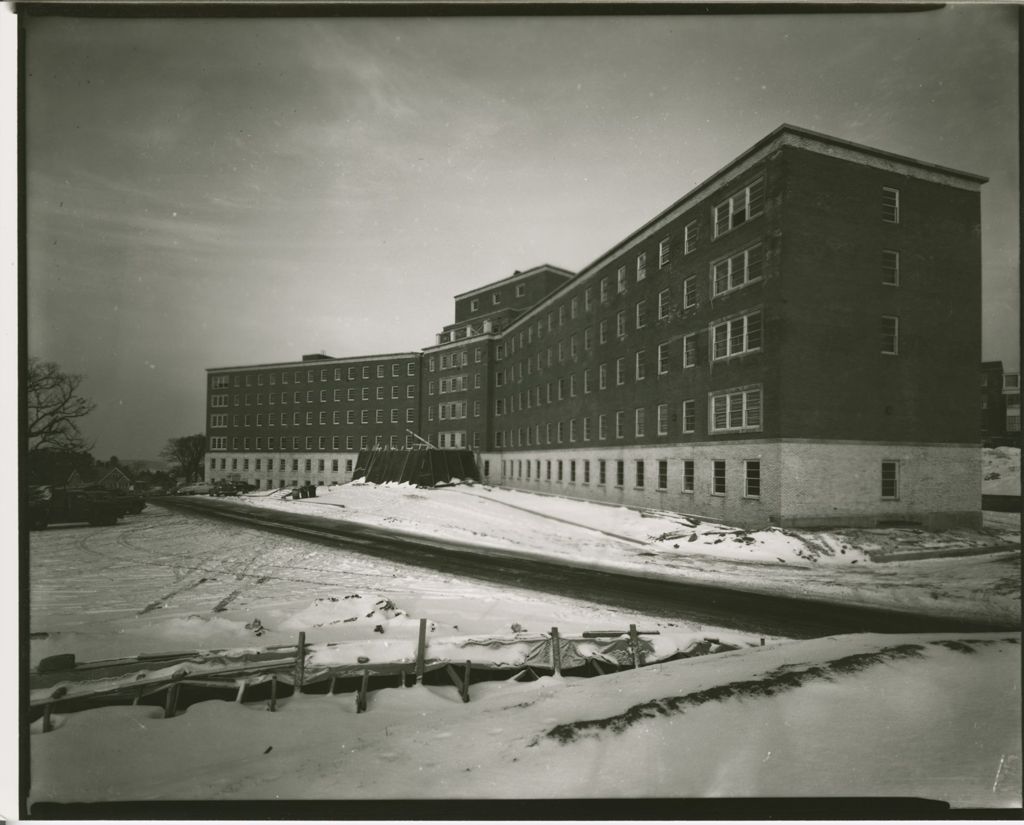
[(63, 505)]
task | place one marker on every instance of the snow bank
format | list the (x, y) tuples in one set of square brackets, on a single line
[(924, 715), (1000, 471)]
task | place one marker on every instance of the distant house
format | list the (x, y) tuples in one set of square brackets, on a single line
[(113, 478), (1000, 405)]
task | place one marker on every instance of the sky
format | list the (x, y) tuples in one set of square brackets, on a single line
[(221, 192)]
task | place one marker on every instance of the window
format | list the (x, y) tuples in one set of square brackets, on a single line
[(738, 270), (736, 210), (736, 336), (602, 476), (620, 424), (690, 350), (574, 307), (620, 371), (663, 419), (640, 369), (219, 442), (620, 280), (220, 382), (1011, 381), (604, 290), (639, 465), (496, 298), (474, 304), (588, 298), (620, 324), (602, 332), (663, 304), (890, 267), (688, 475), (736, 410), (586, 383), (602, 376), (690, 292), (752, 479), (662, 475), (718, 478), (689, 416), (641, 266), (640, 419), (572, 472), (586, 428), (602, 427), (692, 235), (520, 290), (588, 338), (890, 204), (663, 358), (890, 480), (890, 335), (620, 473), (663, 252), (559, 469), (641, 314)]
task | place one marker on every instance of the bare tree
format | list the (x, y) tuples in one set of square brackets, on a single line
[(54, 408), (187, 452)]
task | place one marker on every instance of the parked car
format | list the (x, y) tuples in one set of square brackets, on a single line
[(61, 505), (130, 503), (200, 488), (231, 488)]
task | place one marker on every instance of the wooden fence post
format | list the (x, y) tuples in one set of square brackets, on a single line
[(171, 703), (465, 681), (634, 643), (361, 696), (300, 661), (421, 651), (273, 692), (556, 652)]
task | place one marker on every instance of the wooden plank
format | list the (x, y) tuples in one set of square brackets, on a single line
[(465, 681), (300, 661), (634, 643), (241, 691), (597, 634), (453, 674), (330, 688), (556, 652), (421, 651), (597, 667)]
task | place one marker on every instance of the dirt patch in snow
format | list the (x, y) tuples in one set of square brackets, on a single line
[(780, 680)]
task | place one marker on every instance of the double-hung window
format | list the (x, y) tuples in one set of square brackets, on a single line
[(663, 253), (736, 410), (739, 208), (890, 480), (737, 270), (890, 267), (890, 335), (890, 204), (736, 336), (691, 236)]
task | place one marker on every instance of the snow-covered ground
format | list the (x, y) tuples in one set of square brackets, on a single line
[(164, 581), (1001, 471), (908, 569), (934, 716)]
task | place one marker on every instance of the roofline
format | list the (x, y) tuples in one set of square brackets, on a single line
[(738, 166), (346, 360), (515, 277)]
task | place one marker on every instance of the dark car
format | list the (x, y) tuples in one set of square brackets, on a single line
[(61, 505), (130, 503), (231, 488)]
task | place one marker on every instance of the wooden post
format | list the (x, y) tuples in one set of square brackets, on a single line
[(421, 651), (300, 661), (273, 692), (465, 681), (47, 722), (361, 696), (330, 688), (634, 643), (241, 691), (138, 696), (597, 667), (762, 641), (171, 703), (556, 652)]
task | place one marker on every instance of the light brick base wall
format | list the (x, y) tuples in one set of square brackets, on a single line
[(291, 477), (839, 483), (803, 483)]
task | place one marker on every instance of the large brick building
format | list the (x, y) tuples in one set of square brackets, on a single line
[(795, 341)]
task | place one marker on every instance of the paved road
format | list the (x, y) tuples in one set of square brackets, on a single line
[(705, 604)]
